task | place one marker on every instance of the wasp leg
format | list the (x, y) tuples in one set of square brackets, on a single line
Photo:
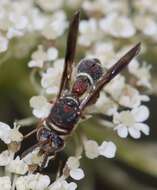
[(40, 123), (32, 148), (45, 161), (29, 150), (31, 133), (86, 116)]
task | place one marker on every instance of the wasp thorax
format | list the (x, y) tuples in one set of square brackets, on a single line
[(64, 113)]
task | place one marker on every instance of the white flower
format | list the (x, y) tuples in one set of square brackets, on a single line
[(52, 54), (77, 174), (62, 184), (6, 157), (5, 183), (74, 4), (50, 79), (33, 158), (107, 149), (118, 26), (56, 26), (37, 20), (115, 85), (130, 122), (104, 6), (93, 6), (142, 73), (12, 32), (73, 162), (15, 135), (17, 166), (40, 56), (104, 52), (73, 165), (93, 150), (50, 5), (89, 32), (5, 133), (130, 97), (9, 135), (146, 24), (3, 43), (19, 21), (41, 108), (144, 6), (105, 105), (33, 181)]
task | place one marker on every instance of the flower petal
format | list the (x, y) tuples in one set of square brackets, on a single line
[(5, 183), (91, 149), (41, 107), (122, 131), (77, 174), (143, 127), (4, 126), (37, 102), (6, 157), (36, 63), (43, 112), (72, 186), (32, 181), (5, 133), (107, 149), (140, 113), (73, 162), (52, 54), (17, 166), (134, 132)]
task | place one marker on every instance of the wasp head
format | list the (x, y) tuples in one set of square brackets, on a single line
[(50, 141)]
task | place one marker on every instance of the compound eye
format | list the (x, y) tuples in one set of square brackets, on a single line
[(57, 142), (43, 134)]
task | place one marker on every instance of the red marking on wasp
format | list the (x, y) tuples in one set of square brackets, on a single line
[(67, 109), (80, 86)]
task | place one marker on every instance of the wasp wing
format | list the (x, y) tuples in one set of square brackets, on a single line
[(111, 73), (70, 54)]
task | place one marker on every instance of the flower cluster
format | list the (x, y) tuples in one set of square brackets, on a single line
[(119, 21), (21, 18), (100, 34)]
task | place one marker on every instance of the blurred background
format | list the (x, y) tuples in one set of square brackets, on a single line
[(135, 165)]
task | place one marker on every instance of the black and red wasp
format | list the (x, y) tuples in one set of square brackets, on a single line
[(70, 103)]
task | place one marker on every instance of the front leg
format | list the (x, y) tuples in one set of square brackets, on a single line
[(39, 125), (46, 159)]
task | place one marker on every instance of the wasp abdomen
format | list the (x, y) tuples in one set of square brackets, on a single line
[(91, 67), (88, 72)]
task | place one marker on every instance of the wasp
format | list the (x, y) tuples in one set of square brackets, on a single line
[(73, 99)]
